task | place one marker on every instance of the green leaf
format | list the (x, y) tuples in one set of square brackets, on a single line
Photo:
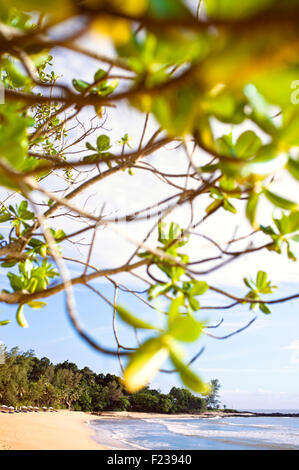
[(13, 139), (130, 319), (107, 89), (21, 317), (267, 160), (265, 309), (261, 279), (158, 289), (229, 207), (251, 208), (89, 146), (15, 281), (267, 230), (209, 168), (15, 74), (92, 158), (189, 378), (36, 304), (225, 106), (232, 9), (214, 206), (247, 144), (99, 75), (35, 242), (287, 223), (4, 218), (103, 143), (8, 264), (144, 363), (23, 207), (174, 231), (185, 328), (249, 283), (227, 184), (168, 9), (293, 168), (27, 267), (225, 145), (279, 201), (80, 85), (261, 109), (59, 234), (43, 251), (177, 111), (174, 309), (162, 232), (290, 254), (194, 303), (199, 288), (289, 130)]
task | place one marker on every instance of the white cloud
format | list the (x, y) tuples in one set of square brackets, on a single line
[(294, 347)]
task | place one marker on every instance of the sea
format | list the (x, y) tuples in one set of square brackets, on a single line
[(215, 433)]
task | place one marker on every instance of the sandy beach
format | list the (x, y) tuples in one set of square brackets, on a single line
[(64, 430), (69, 430)]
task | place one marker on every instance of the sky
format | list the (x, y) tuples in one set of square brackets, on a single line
[(257, 369)]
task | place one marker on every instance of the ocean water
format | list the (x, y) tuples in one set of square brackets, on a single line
[(217, 433)]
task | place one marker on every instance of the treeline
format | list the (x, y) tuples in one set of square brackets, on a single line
[(28, 380)]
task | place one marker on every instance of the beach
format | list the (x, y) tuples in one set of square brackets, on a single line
[(72, 430), (64, 430)]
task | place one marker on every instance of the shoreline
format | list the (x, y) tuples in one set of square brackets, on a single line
[(73, 430), (203, 415)]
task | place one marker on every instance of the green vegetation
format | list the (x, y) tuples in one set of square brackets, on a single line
[(27, 380)]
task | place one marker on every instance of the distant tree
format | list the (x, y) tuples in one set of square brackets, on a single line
[(67, 365), (68, 381), (14, 384), (165, 404), (123, 404), (145, 400), (212, 399), (197, 404), (39, 368), (52, 396), (181, 398)]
